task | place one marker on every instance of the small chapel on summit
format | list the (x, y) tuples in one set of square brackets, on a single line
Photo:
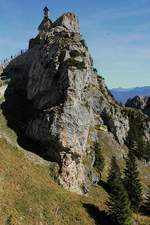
[(46, 23), (46, 10), (68, 22)]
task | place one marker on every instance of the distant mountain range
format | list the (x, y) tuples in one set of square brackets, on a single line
[(123, 94)]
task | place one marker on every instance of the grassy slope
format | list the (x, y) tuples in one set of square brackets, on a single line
[(29, 196)]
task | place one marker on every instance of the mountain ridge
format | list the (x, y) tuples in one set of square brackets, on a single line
[(123, 94)]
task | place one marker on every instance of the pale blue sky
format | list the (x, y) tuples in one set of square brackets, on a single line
[(117, 33)]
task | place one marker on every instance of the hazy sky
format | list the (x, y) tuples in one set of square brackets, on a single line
[(117, 33)]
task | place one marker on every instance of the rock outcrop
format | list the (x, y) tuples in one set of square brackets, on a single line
[(140, 102), (1, 68), (69, 21), (56, 99)]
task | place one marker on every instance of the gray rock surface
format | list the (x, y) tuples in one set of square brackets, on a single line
[(70, 21), (1, 68), (140, 102)]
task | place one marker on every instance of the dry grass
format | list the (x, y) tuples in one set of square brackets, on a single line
[(29, 196)]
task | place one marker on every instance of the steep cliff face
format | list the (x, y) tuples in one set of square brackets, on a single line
[(56, 99)]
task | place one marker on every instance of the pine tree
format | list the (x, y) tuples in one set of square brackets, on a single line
[(114, 172), (132, 183), (118, 203), (147, 203), (146, 150), (99, 159), (135, 140)]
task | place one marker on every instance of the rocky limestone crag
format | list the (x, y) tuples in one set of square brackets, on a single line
[(69, 21), (56, 99), (140, 102), (2, 67)]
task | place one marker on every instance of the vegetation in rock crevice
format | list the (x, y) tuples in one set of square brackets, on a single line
[(79, 65)]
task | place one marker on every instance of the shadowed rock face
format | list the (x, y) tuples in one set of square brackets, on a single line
[(56, 99)]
